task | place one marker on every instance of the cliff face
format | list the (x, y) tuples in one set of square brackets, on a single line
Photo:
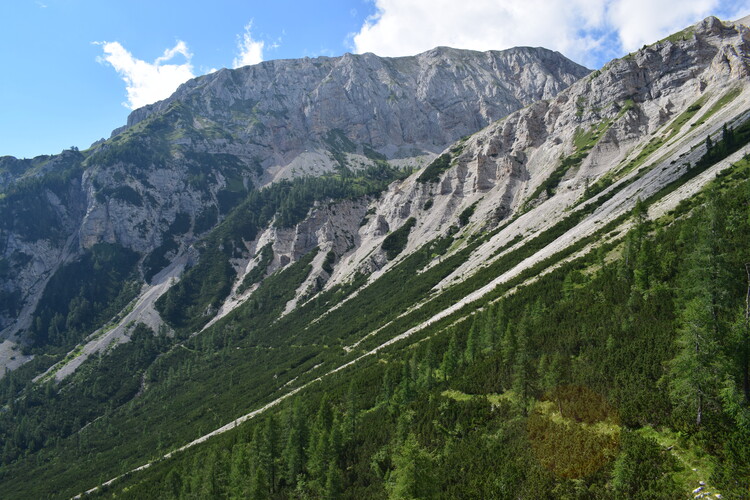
[(194, 156), (620, 134), (398, 106)]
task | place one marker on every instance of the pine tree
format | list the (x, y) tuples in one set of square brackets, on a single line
[(425, 379), (741, 342), (643, 470), (472, 342), (239, 471), (406, 390), (389, 383), (696, 370), (320, 443), (508, 353), (259, 489), (521, 382), (727, 137), (644, 266), (334, 483), (414, 475), (294, 451), (450, 358), (349, 421), (271, 451)]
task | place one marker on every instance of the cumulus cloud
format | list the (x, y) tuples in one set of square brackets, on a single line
[(589, 31), (640, 22), (250, 50), (147, 82)]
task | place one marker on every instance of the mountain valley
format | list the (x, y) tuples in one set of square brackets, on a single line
[(454, 275)]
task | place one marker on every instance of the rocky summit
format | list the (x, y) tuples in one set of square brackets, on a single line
[(458, 274)]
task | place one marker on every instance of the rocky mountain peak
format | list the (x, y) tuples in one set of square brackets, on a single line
[(188, 160)]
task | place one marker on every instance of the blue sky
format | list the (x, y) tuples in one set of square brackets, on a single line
[(73, 69)]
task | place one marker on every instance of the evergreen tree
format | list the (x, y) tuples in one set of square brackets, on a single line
[(727, 138), (508, 353), (643, 470), (644, 266), (425, 378), (271, 451), (696, 370), (294, 451), (450, 358), (259, 489), (549, 371), (334, 483), (239, 471), (473, 347), (349, 421), (521, 382), (406, 390), (413, 476), (740, 342), (320, 453), (389, 383)]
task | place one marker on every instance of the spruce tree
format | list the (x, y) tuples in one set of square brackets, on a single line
[(294, 450), (320, 444), (697, 368), (521, 381), (271, 451), (413, 476), (450, 358), (259, 489), (334, 483), (473, 342)]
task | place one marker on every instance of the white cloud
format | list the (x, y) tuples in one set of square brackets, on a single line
[(250, 50), (640, 22), (589, 31), (147, 82)]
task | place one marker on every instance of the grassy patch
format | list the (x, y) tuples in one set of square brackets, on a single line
[(679, 36), (256, 274), (584, 141), (730, 96), (440, 164), (697, 465)]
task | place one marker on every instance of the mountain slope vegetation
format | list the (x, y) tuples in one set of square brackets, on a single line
[(554, 306)]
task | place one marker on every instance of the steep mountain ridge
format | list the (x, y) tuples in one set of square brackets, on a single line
[(599, 122), (419, 102), (185, 162), (590, 136)]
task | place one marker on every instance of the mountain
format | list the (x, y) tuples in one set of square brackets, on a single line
[(550, 306), (191, 158)]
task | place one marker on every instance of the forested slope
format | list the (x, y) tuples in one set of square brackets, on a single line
[(622, 374), (554, 307)]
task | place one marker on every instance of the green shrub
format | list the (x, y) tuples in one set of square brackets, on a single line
[(394, 243)]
